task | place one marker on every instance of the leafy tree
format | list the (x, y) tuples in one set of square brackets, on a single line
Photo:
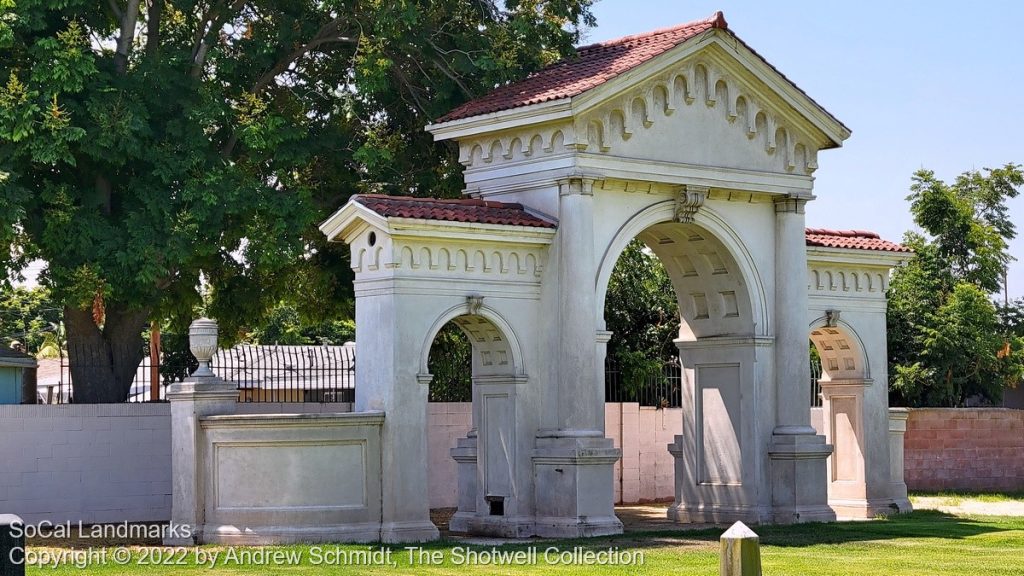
[(1011, 318), (28, 316), (947, 339), (146, 146), (642, 313), (286, 326), (451, 363)]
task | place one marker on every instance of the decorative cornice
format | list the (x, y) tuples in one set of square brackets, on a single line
[(733, 59), (592, 126), (701, 79), (832, 278), (790, 205), (574, 186), (689, 199)]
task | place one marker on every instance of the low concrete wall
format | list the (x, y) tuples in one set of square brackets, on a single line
[(964, 449), (111, 462), (284, 478), (96, 463)]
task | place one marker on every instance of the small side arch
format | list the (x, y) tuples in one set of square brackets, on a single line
[(843, 354), (509, 341)]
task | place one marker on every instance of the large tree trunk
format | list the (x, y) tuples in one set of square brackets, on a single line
[(103, 362)]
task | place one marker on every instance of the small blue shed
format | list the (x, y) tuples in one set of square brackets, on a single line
[(12, 372)]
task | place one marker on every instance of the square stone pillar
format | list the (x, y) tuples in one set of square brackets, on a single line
[(464, 454), (573, 462), (897, 485), (720, 455), (191, 400), (843, 418), (387, 345), (575, 496), (798, 455), (202, 394)]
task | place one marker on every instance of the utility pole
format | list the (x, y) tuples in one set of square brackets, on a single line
[(154, 362)]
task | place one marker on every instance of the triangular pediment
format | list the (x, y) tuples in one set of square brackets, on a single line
[(708, 101)]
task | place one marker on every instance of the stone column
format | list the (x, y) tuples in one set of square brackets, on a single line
[(792, 362), (464, 453), (898, 487), (202, 394), (798, 454), (579, 408), (573, 462)]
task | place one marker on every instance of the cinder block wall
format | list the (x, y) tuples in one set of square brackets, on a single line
[(646, 472), (111, 462), (446, 423), (89, 463), (964, 449)]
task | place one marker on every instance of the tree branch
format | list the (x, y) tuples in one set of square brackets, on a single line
[(285, 63), (326, 35), (127, 36), (155, 14), (205, 36), (115, 9)]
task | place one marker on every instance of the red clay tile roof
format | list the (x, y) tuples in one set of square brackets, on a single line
[(859, 239), (461, 210), (592, 66)]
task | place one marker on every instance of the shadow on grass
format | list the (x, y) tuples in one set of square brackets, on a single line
[(920, 524)]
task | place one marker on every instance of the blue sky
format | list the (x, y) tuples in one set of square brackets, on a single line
[(937, 85)]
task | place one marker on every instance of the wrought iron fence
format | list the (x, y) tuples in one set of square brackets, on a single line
[(262, 373), (327, 374), (661, 387), (815, 385)]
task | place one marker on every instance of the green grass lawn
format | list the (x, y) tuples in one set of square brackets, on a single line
[(924, 543)]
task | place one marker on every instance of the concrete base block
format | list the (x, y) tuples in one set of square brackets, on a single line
[(578, 527), (278, 535), (712, 514), (800, 478), (497, 526), (872, 508), (578, 495), (404, 532), (460, 522)]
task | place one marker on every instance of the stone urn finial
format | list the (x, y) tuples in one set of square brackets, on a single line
[(202, 341)]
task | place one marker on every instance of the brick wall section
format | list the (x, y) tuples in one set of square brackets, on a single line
[(964, 449)]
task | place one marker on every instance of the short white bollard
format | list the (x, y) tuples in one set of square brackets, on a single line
[(12, 545), (741, 552)]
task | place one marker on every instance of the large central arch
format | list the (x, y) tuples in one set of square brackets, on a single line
[(719, 459), (665, 212)]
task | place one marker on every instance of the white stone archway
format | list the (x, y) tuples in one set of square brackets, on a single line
[(691, 142), (847, 326)]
